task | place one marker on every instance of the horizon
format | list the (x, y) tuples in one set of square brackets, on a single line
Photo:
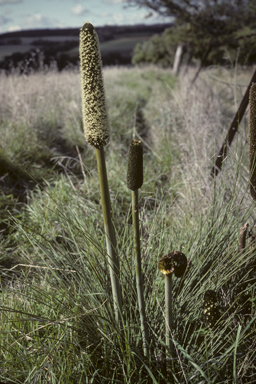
[(98, 26)]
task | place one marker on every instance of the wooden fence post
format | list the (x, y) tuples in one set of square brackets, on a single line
[(232, 130)]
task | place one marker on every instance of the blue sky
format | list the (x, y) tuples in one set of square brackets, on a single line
[(30, 14)]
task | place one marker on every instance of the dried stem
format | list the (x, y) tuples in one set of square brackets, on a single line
[(242, 237)]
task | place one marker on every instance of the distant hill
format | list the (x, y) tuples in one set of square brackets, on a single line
[(60, 46)]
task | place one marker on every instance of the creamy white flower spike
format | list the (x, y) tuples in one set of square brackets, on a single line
[(95, 119)]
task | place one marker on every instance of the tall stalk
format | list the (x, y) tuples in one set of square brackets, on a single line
[(242, 237), (109, 231), (168, 312), (173, 262), (252, 140), (134, 182), (96, 129)]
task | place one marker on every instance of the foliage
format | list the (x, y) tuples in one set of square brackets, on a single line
[(57, 317), (49, 48), (155, 51), (206, 29)]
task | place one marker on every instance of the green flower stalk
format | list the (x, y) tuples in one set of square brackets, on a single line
[(135, 181), (96, 129), (173, 262), (252, 140)]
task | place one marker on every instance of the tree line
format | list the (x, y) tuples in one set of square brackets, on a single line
[(211, 31)]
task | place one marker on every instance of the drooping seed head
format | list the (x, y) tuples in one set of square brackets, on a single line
[(95, 119), (135, 165), (252, 140), (173, 262), (211, 312)]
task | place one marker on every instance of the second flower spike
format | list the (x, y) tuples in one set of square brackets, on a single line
[(135, 166), (134, 182)]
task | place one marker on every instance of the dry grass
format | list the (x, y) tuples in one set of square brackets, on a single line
[(181, 208)]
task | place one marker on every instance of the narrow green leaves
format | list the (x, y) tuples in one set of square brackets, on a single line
[(95, 119), (252, 140), (135, 166)]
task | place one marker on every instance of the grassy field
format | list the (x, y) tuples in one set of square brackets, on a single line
[(57, 319)]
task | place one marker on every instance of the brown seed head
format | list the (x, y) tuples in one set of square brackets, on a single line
[(211, 312), (173, 262)]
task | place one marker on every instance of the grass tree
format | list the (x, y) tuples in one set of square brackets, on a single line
[(96, 128), (56, 319)]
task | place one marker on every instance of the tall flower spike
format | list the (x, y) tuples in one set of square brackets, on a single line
[(252, 140), (97, 134), (135, 166), (95, 119)]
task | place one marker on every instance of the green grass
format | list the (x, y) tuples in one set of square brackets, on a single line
[(57, 317)]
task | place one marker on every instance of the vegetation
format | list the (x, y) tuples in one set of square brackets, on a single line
[(211, 32), (57, 314), (31, 50), (157, 50)]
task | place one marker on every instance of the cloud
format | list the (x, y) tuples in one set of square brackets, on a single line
[(2, 2), (118, 18), (39, 21), (78, 10), (14, 28), (133, 18), (113, 1), (4, 20)]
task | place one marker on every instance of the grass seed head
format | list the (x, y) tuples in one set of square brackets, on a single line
[(252, 140), (211, 313), (95, 119), (135, 166), (173, 262)]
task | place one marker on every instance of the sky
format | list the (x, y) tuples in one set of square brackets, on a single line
[(18, 15)]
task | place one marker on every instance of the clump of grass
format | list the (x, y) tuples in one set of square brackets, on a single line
[(76, 266), (65, 283)]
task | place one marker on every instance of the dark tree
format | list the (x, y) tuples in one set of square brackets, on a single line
[(211, 16), (206, 25)]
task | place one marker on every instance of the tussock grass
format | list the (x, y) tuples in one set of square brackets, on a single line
[(57, 317)]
